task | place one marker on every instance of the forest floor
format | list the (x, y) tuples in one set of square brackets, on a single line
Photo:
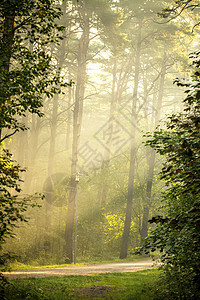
[(116, 267)]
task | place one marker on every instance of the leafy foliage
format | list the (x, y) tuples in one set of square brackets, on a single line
[(12, 207), (177, 235), (9, 180), (26, 68), (27, 73)]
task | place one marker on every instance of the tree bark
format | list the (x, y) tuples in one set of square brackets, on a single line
[(147, 204), (53, 125), (33, 148), (127, 223), (151, 157), (102, 194), (69, 115), (77, 121)]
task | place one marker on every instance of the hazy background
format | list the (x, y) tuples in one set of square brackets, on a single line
[(122, 59)]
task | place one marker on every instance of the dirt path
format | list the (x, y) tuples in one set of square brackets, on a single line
[(83, 269)]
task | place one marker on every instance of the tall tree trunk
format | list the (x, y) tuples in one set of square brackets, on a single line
[(22, 145), (127, 223), (69, 115), (33, 148), (54, 118), (77, 121), (48, 208), (102, 194), (151, 156), (147, 204), (54, 121)]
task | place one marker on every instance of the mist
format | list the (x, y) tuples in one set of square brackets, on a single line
[(87, 153)]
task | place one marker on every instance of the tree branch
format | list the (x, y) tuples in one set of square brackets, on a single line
[(8, 135)]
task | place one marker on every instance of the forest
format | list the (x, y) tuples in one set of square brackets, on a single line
[(99, 133)]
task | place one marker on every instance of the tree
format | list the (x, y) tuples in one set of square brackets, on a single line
[(86, 13), (147, 36), (127, 222), (177, 234), (26, 71), (24, 59), (77, 121)]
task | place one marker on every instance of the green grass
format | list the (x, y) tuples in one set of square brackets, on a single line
[(20, 266), (120, 286)]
